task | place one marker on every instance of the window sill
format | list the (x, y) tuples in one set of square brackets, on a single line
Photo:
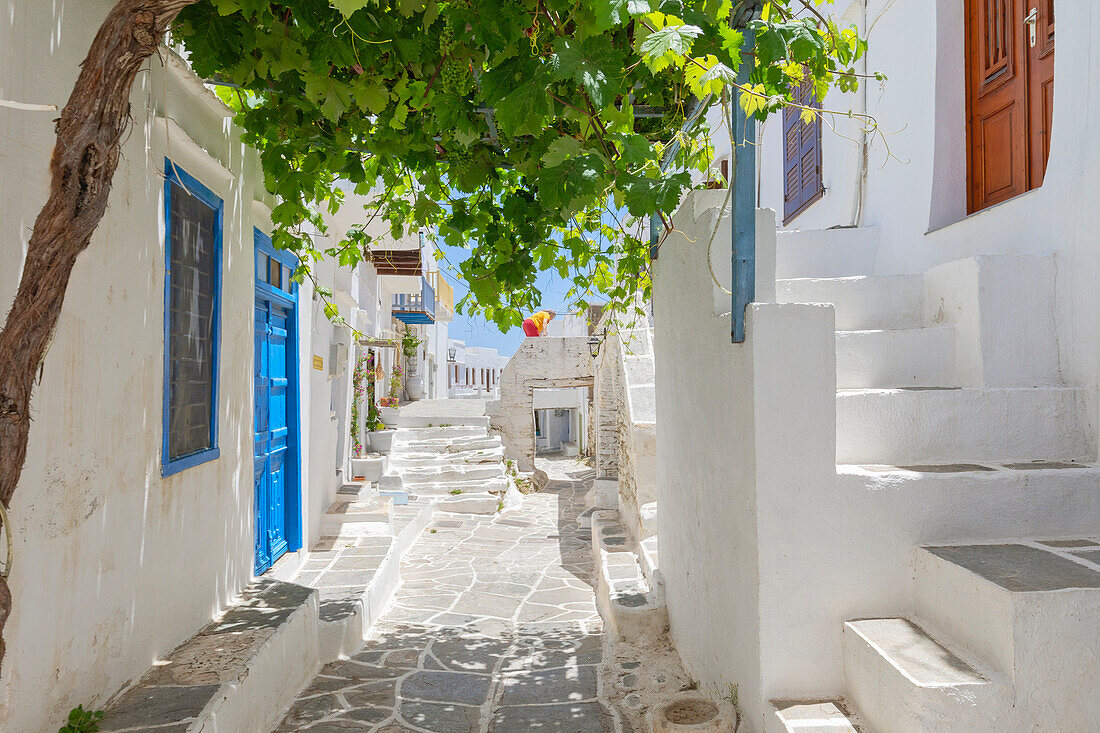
[(195, 459)]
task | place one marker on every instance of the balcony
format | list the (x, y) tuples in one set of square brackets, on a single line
[(414, 309), (444, 296)]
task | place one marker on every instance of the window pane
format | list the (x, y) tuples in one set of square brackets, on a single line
[(274, 273), (192, 279), (287, 273)]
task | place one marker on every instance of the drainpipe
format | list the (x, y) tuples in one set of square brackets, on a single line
[(743, 210)]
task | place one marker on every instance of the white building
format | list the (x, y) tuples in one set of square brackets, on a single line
[(886, 497), (473, 371), (180, 443)]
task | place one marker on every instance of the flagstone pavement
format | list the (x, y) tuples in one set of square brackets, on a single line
[(494, 629)]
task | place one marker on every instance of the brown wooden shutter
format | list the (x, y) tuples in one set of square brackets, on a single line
[(802, 181)]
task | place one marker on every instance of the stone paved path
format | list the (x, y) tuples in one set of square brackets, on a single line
[(495, 628)]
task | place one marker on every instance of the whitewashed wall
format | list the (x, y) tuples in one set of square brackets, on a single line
[(114, 566), (918, 202)]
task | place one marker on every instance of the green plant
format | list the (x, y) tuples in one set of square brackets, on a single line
[(82, 721), (456, 491), (409, 343), (374, 416)]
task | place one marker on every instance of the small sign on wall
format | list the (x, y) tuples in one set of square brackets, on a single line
[(318, 363)]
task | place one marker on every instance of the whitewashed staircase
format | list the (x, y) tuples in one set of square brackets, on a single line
[(948, 380), (442, 449), (958, 364)]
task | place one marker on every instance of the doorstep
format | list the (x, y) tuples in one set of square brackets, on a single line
[(236, 674)]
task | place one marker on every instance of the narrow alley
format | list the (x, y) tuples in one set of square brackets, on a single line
[(494, 628)]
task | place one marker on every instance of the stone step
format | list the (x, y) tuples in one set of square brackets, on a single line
[(825, 252), (444, 446), (424, 458), (904, 681), (237, 673), (412, 476), (631, 608), (862, 303), (481, 502), (351, 517), (812, 716), (424, 421), (650, 562), (357, 577), (909, 357), (1031, 608), (931, 426), (404, 436), (492, 486)]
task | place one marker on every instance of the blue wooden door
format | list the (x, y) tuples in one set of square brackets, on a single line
[(275, 468)]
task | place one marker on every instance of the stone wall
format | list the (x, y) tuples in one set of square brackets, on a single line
[(539, 363), (627, 419)]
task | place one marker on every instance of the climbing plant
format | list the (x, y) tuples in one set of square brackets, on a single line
[(529, 131), (517, 128)]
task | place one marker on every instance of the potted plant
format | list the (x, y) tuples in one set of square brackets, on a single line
[(389, 403), (381, 437)]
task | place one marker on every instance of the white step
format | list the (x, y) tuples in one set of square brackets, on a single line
[(862, 303), (439, 458), (438, 432), (904, 681), (413, 476), (449, 445), (493, 486), (910, 357), (802, 716), (420, 421), (931, 426), (631, 608), (238, 673), (473, 503), (825, 252), (1031, 610)]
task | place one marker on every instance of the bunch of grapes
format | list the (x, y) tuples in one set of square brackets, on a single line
[(454, 75), (459, 159)]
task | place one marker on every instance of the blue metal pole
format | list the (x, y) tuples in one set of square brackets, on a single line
[(744, 202)]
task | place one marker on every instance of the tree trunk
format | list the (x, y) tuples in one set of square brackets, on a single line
[(83, 163)]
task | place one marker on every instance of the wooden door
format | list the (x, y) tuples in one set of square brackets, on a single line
[(1040, 86), (1010, 86)]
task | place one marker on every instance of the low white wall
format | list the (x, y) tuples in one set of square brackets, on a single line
[(765, 549), (705, 471)]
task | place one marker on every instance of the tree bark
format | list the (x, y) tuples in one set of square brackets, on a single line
[(82, 166)]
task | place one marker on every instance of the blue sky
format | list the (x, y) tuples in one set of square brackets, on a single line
[(476, 331)]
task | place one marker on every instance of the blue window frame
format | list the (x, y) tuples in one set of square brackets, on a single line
[(192, 295)]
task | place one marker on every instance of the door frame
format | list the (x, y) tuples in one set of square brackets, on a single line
[(292, 500)]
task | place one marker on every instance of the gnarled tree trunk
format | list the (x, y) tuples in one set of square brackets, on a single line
[(83, 163)]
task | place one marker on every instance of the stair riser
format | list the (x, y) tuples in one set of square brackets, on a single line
[(450, 431), (910, 427), (826, 253), (862, 304), (923, 357), (412, 477), (480, 421), (888, 701), (962, 606)]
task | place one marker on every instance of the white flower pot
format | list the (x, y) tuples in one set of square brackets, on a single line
[(381, 441)]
